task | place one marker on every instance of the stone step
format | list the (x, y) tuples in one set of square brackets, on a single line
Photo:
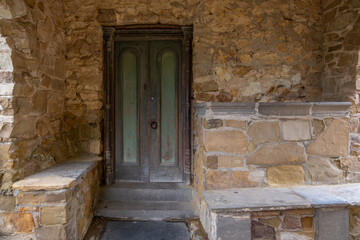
[(150, 210), (131, 191)]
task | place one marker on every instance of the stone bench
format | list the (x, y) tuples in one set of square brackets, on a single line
[(307, 212), (57, 203)]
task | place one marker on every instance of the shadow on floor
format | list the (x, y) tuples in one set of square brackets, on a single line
[(107, 229)]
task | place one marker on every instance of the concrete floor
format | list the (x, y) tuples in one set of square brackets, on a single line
[(149, 230)]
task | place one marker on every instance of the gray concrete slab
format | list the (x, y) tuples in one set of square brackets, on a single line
[(232, 227), (319, 196), (349, 193), (253, 199), (332, 223), (149, 230)]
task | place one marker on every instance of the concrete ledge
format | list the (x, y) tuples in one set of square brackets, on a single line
[(214, 109), (264, 199), (60, 176), (317, 212)]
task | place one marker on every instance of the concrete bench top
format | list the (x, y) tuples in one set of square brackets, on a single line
[(260, 199), (60, 176)]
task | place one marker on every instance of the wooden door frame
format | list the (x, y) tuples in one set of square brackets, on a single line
[(146, 32)]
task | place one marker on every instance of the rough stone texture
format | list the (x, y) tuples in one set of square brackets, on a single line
[(354, 223), (212, 162), (341, 27), (226, 141), (296, 130), (322, 171), (333, 141), (55, 215), (213, 123), (285, 175), (262, 231), (236, 124), (230, 161), (32, 49), (228, 179), (278, 154), (233, 227), (264, 132)]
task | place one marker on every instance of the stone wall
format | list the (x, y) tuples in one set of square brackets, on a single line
[(32, 93), (341, 50), (276, 145), (242, 51), (290, 224)]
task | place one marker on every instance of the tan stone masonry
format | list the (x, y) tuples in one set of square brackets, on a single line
[(249, 145)]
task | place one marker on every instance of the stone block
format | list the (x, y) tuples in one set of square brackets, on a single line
[(51, 232), (4, 154), (354, 220), (236, 124), (296, 130), (284, 109), (319, 126), (6, 130), (226, 161), (296, 236), (291, 222), (95, 147), (333, 108), (213, 123), (264, 132), (262, 231), (231, 227), (272, 221), (6, 89), (226, 141), (332, 142), (229, 109), (332, 223), (207, 86), (211, 162), (322, 171), (53, 215), (39, 101), (228, 179), (285, 175), (23, 222), (7, 203), (52, 182), (307, 223), (289, 152), (37, 198)]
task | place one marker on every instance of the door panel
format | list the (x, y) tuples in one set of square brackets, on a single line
[(131, 83), (166, 81), (148, 122), (128, 69), (168, 68)]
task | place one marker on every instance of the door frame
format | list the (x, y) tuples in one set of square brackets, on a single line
[(147, 32)]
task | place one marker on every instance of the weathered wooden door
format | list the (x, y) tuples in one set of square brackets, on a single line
[(148, 111)]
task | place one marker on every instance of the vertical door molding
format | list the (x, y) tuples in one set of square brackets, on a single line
[(109, 108), (187, 31)]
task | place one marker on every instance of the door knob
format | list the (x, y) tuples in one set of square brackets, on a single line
[(153, 125)]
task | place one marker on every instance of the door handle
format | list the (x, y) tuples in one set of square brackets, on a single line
[(153, 125)]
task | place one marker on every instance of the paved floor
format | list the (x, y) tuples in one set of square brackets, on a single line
[(149, 230)]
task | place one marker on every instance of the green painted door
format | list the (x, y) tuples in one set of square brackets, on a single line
[(147, 111)]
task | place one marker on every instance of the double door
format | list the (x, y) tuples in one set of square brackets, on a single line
[(148, 111)]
